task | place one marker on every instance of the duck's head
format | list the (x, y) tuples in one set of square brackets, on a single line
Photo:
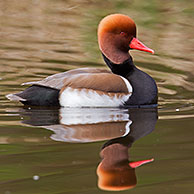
[(116, 36)]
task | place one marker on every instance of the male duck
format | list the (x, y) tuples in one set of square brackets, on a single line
[(125, 85)]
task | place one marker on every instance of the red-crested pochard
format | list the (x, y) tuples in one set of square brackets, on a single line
[(124, 86)]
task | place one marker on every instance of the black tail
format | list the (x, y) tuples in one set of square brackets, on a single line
[(37, 95)]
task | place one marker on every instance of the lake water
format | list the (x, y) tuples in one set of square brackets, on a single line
[(55, 151)]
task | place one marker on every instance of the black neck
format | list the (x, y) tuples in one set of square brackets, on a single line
[(122, 69), (144, 86)]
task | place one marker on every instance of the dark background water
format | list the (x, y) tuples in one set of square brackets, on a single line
[(40, 38)]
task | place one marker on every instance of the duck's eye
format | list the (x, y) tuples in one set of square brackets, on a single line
[(123, 33)]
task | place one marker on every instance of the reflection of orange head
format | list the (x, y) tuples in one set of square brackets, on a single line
[(119, 177), (116, 179)]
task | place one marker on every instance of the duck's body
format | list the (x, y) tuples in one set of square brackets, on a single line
[(124, 85)]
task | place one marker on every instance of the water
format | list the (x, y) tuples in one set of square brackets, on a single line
[(59, 151)]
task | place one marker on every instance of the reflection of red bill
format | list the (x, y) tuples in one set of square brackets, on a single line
[(139, 163), (118, 178)]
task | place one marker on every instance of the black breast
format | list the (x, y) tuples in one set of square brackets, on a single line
[(145, 90)]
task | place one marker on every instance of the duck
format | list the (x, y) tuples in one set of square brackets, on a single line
[(124, 85)]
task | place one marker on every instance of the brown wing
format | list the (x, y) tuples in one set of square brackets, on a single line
[(57, 80), (101, 82)]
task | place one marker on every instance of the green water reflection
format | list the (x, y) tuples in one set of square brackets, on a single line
[(40, 38)]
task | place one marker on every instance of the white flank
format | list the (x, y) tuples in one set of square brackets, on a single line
[(129, 87), (89, 98)]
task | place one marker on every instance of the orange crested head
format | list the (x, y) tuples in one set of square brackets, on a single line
[(116, 36), (117, 24)]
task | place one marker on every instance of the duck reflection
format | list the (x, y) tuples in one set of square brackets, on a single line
[(115, 171), (81, 125), (119, 127)]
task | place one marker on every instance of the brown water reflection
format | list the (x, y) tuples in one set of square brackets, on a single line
[(120, 127), (40, 38)]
